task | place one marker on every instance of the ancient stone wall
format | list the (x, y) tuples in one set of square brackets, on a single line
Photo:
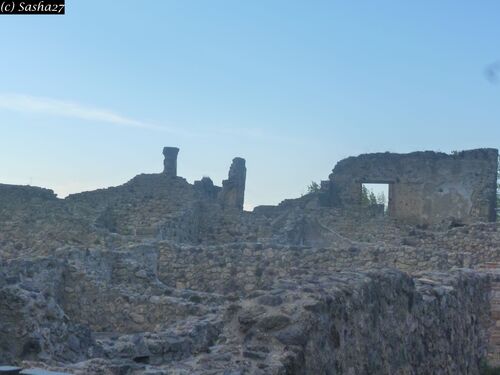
[(118, 291), (169, 276), (50, 306), (33, 324), (493, 269), (368, 323), (233, 189), (248, 265), (424, 187), (299, 323)]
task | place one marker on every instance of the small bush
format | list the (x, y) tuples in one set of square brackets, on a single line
[(313, 187)]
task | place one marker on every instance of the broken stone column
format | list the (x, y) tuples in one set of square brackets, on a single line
[(170, 161), (233, 189)]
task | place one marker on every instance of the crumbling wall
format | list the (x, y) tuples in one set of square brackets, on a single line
[(424, 187), (305, 321), (493, 269), (381, 322), (161, 204), (33, 325), (263, 289), (113, 291), (233, 189), (244, 267)]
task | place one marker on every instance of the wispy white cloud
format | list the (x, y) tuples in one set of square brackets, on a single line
[(64, 108)]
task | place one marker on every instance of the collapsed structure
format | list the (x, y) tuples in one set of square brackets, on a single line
[(159, 276)]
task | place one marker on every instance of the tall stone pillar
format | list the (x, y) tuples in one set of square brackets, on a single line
[(233, 189), (170, 161)]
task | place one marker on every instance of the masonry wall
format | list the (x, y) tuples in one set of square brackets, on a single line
[(246, 267), (424, 187), (382, 322), (376, 322)]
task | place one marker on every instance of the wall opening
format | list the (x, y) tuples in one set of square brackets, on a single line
[(377, 196), (142, 359)]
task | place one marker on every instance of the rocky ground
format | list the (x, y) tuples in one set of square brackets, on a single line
[(155, 277)]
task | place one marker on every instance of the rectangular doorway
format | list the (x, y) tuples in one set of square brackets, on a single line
[(377, 195)]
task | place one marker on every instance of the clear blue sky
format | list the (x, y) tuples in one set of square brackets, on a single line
[(88, 100)]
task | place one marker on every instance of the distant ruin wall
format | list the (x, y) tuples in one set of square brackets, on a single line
[(424, 187), (247, 267), (23, 194)]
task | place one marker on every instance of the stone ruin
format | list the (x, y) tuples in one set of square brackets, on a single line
[(425, 188), (170, 161), (159, 276)]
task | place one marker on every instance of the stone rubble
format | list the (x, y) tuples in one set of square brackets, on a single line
[(159, 276)]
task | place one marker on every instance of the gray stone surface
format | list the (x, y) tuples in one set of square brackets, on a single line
[(159, 276)]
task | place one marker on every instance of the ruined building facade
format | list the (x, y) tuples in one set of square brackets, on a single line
[(426, 188)]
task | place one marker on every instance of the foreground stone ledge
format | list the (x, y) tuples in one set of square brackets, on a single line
[(10, 370)]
